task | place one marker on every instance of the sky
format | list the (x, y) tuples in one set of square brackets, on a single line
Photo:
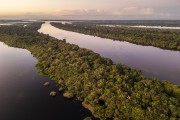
[(90, 9)]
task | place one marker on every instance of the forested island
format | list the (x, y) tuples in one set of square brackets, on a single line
[(166, 39), (108, 90)]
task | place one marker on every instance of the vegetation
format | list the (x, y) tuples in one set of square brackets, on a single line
[(166, 39), (169, 23), (108, 90)]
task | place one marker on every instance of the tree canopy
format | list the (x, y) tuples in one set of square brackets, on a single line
[(108, 90)]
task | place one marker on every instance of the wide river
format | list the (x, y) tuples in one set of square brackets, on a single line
[(22, 94), (154, 62)]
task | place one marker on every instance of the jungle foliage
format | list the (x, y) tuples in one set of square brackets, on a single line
[(109, 90)]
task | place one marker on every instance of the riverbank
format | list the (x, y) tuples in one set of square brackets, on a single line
[(112, 90), (152, 61), (165, 39), (22, 94)]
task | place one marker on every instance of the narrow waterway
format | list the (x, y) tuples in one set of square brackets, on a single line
[(154, 62)]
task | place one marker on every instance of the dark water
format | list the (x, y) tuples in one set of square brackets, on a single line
[(154, 62), (22, 94)]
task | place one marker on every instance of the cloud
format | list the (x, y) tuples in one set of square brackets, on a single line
[(115, 12), (80, 12), (126, 12), (133, 11), (120, 13)]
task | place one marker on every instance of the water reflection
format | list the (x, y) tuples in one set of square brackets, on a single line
[(154, 62), (22, 95)]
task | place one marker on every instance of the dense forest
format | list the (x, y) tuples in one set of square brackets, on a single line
[(109, 91), (166, 39)]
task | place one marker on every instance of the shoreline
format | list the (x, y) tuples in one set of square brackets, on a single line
[(113, 89), (125, 35)]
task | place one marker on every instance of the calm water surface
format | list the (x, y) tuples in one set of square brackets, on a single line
[(154, 62), (22, 95)]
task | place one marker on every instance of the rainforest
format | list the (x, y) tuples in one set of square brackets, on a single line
[(108, 90)]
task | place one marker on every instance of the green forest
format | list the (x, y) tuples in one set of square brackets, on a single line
[(166, 23), (166, 39), (108, 90)]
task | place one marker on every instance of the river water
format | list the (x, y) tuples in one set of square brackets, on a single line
[(154, 62), (22, 94), (143, 26)]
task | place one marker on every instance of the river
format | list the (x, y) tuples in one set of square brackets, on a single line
[(22, 94), (152, 61), (143, 26)]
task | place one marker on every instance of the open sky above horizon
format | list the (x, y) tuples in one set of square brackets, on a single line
[(90, 9)]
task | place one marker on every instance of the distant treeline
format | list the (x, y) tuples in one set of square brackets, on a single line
[(108, 90), (166, 39), (169, 23)]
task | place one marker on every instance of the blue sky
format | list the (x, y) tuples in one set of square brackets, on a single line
[(90, 9)]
